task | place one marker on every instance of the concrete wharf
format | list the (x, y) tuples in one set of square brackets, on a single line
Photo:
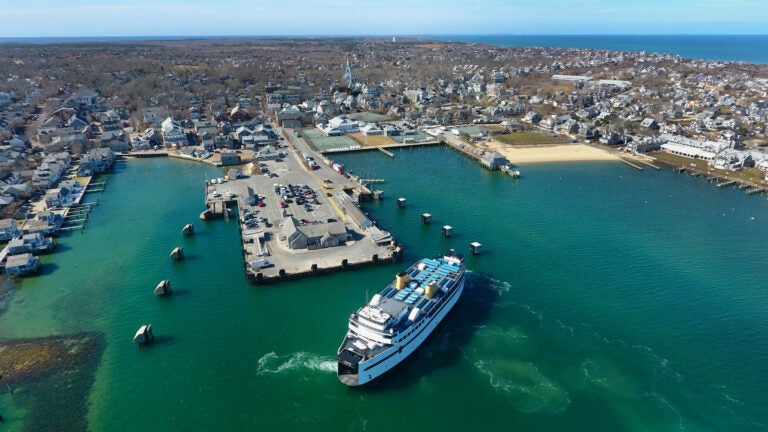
[(284, 191)]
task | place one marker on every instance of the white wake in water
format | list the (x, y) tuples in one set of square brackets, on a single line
[(274, 363)]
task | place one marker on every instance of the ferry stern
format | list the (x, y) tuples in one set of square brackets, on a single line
[(347, 369)]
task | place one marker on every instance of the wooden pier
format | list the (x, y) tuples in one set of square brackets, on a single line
[(76, 217), (386, 152), (633, 165), (96, 187)]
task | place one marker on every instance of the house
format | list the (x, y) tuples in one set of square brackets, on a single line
[(493, 160), (311, 237), (47, 174), (30, 243), (18, 191), (117, 143), (532, 117), (154, 115), (588, 131), (239, 114), (392, 130), (63, 196), (140, 142), (731, 160), (221, 141), (204, 126), (268, 153), (338, 126), (8, 229), (290, 117), (46, 222), (609, 138), (96, 161), (22, 264), (371, 129), (230, 158), (645, 144), (173, 134), (650, 124)]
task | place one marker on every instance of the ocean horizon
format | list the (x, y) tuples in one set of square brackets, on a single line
[(748, 48)]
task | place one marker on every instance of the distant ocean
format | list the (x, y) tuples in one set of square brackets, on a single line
[(744, 48)]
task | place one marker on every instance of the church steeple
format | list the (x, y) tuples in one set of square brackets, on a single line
[(348, 78)]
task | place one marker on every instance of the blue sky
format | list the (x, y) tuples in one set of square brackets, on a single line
[(52, 18)]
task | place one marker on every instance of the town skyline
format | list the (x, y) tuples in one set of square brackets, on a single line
[(206, 18)]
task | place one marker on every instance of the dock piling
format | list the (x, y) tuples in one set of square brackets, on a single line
[(447, 229), (474, 247)]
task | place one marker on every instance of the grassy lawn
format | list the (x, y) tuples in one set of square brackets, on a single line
[(81, 180), (530, 138), (371, 141)]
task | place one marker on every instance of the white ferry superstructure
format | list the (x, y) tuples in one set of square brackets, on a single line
[(398, 319)]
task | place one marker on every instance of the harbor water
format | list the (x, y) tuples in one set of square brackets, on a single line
[(604, 298)]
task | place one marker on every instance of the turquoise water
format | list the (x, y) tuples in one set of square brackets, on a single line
[(605, 299)]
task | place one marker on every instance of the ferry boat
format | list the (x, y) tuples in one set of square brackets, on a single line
[(399, 318)]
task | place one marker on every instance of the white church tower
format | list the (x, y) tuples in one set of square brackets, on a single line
[(348, 78)]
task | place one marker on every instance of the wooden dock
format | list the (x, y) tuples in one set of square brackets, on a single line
[(386, 152), (628, 162)]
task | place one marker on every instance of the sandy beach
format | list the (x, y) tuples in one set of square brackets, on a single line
[(551, 153)]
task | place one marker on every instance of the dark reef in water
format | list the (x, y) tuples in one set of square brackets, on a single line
[(51, 378)]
